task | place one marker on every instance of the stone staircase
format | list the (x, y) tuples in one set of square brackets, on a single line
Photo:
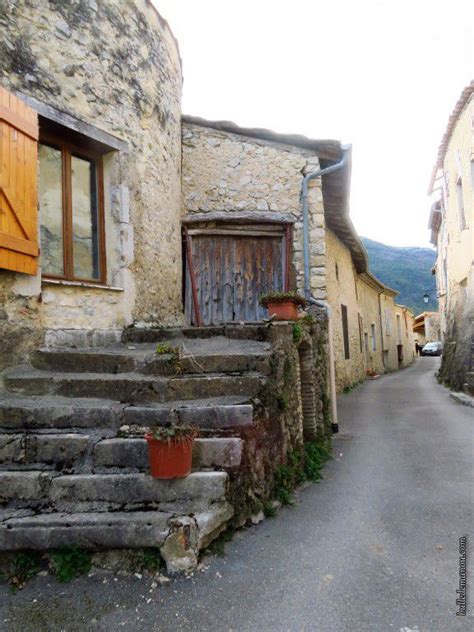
[(73, 461)]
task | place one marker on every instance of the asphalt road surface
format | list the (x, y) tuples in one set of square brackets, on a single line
[(374, 547)]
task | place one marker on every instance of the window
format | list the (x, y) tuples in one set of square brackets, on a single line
[(361, 327), (337, 272), (399, 327), (388, 322), (460, 200), (345, 331), (372, 336), (71, 208)]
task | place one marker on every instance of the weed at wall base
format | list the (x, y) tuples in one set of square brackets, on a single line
[(301, 466)]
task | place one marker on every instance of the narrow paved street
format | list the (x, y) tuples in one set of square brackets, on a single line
[(373, 548)]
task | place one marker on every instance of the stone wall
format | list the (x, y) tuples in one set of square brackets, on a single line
[(370, 310), (389, 332), (405, 335), (455, 268), (114, 66), (342, 290), (224, 171), (281, 424)]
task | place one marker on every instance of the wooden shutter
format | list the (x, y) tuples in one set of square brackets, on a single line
[(18, 189)]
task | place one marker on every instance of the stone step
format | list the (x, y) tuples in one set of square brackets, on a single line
[(68, 451), (87, 530), (236, 358), (43, 413), (130, 387), (258, 332), (58, 413), (59, 451), (82, 360), (132, 453), (179, 538), (104, 492)]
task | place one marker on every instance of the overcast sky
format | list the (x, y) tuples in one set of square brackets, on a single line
[(383, 75)]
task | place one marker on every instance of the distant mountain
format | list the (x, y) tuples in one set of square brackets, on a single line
[(407, 270)]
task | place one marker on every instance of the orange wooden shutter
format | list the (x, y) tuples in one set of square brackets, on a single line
[(18, 189)]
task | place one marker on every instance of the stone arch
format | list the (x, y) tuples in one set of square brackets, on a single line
[(308, 391)]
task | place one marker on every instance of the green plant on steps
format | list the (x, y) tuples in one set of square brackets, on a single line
[(169, 432), (67, 563), (283, 297), (164, 348)]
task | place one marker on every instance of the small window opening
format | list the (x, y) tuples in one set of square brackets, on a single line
[(373, 338), (345, 332)]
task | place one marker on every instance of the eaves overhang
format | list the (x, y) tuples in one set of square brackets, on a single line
[(461, 103)]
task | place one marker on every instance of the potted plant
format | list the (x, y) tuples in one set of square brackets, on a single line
[(170, 451), (283, 305)]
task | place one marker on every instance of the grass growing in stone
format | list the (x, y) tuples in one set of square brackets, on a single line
[(297, 332), (24, 566), (68, 563), (316, 455), (217, 546), (269, 509), (300, 467), (351, 387), (152, 560), (163, 348), (282, 401)]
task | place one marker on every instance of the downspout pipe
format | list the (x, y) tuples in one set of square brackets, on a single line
[(305, 207), (307, 286)]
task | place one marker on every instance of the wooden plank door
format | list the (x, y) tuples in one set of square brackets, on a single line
[(231, 273), (18, 194)]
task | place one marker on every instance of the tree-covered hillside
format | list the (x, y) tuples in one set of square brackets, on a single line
[(407, 270)]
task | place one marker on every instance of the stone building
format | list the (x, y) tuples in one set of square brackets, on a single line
[(366, 336), (124, 226), (452, 232), (426, 327), (105, 81)]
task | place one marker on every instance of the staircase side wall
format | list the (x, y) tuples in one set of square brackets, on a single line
[(274, 446)]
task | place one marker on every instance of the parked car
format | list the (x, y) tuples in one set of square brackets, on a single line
[(432, 349)]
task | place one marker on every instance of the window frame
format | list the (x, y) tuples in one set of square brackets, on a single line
[(345, 331), (373, 336), (68, 151)]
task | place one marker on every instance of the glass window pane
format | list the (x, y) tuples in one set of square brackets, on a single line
[(51, 210), (85, 230)]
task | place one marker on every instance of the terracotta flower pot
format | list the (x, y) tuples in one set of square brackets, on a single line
[(170, 459), (283, 310)]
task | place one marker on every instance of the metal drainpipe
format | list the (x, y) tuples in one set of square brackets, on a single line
[(307, 286)]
